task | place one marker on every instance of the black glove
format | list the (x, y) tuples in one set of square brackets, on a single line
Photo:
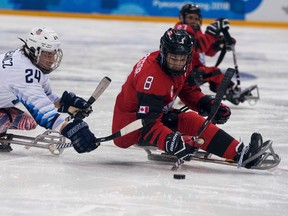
[(182, 146), (81, 137), (170, 119), (70, 99), (218, 25), (204, 107), (198, 75), (221, 43)]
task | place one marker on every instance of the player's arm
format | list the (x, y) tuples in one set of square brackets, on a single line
[(191, 94), (202, 42), (39, 105), (43, 111), (214, 29), (185, 27), (152, 90), (68, 99), (150, 111)]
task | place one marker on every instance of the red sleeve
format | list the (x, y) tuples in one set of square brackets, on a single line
[(185, 27), (191, 95), (202, 42), (211, 52)]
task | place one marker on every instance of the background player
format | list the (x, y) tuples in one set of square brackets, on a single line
[(208, 43)]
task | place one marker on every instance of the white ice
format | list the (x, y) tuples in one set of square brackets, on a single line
[(113, 181)]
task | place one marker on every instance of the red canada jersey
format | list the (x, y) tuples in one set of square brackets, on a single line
[(148, 93), (202, 44)]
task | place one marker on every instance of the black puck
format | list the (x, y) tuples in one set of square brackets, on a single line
[(179, 176)]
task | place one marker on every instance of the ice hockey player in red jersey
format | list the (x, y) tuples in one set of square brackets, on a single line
[(149, 93), (208, 43)]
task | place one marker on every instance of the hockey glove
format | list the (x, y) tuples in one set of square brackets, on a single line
[(70, 99), (221, 43), (204, 107), (81, 137), (218, 25), (170, 119), (182, 146), (198, 75)]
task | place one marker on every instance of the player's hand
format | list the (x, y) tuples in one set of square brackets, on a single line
[(83, 113), (223, 114), (71, 100), (198, 75), (170, 119), (217, 26), (222, 42), (230, 44), (204, 108), (182, 146), (81, 137)]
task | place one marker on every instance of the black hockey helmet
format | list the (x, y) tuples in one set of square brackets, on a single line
[(189, 9), (178, 43)]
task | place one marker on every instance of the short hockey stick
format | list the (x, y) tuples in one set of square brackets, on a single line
[(133, 126), (103, 84), (228, 38), (217, 102), (218, 98), (221, 56)]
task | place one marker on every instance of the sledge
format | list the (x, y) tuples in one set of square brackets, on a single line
[(269, 159), (55, 142), (48, 140), (249, 94)]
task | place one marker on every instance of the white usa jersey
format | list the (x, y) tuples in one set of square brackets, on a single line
[(22, 82)]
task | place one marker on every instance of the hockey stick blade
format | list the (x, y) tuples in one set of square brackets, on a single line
[(104, 83), (218, 98), (101, 87), (133, 126)]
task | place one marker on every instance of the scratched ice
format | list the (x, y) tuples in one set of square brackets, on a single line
[(113, 181)]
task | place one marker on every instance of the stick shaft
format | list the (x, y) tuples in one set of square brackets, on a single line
[(228, 38), (101, 87), (218, 98), (133, 126)]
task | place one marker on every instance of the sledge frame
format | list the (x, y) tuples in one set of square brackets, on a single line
[(269, 159)]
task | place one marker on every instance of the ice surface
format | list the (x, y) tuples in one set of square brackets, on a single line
[(113, 181)]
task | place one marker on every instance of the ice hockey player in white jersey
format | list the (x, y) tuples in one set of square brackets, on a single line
[(24, 79)]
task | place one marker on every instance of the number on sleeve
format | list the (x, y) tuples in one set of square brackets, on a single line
[(148, 82)]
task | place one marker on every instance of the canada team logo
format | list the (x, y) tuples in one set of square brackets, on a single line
[(143, 109)]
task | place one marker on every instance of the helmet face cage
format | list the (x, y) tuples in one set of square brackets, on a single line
[(178, 43), (43, 49), (190, 9)]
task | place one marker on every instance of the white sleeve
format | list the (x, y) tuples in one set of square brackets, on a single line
[(48, 90), (39, 105)]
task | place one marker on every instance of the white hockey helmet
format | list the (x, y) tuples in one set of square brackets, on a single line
[(43, 49)]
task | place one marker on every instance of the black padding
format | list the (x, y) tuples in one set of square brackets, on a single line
[(219, 143)]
